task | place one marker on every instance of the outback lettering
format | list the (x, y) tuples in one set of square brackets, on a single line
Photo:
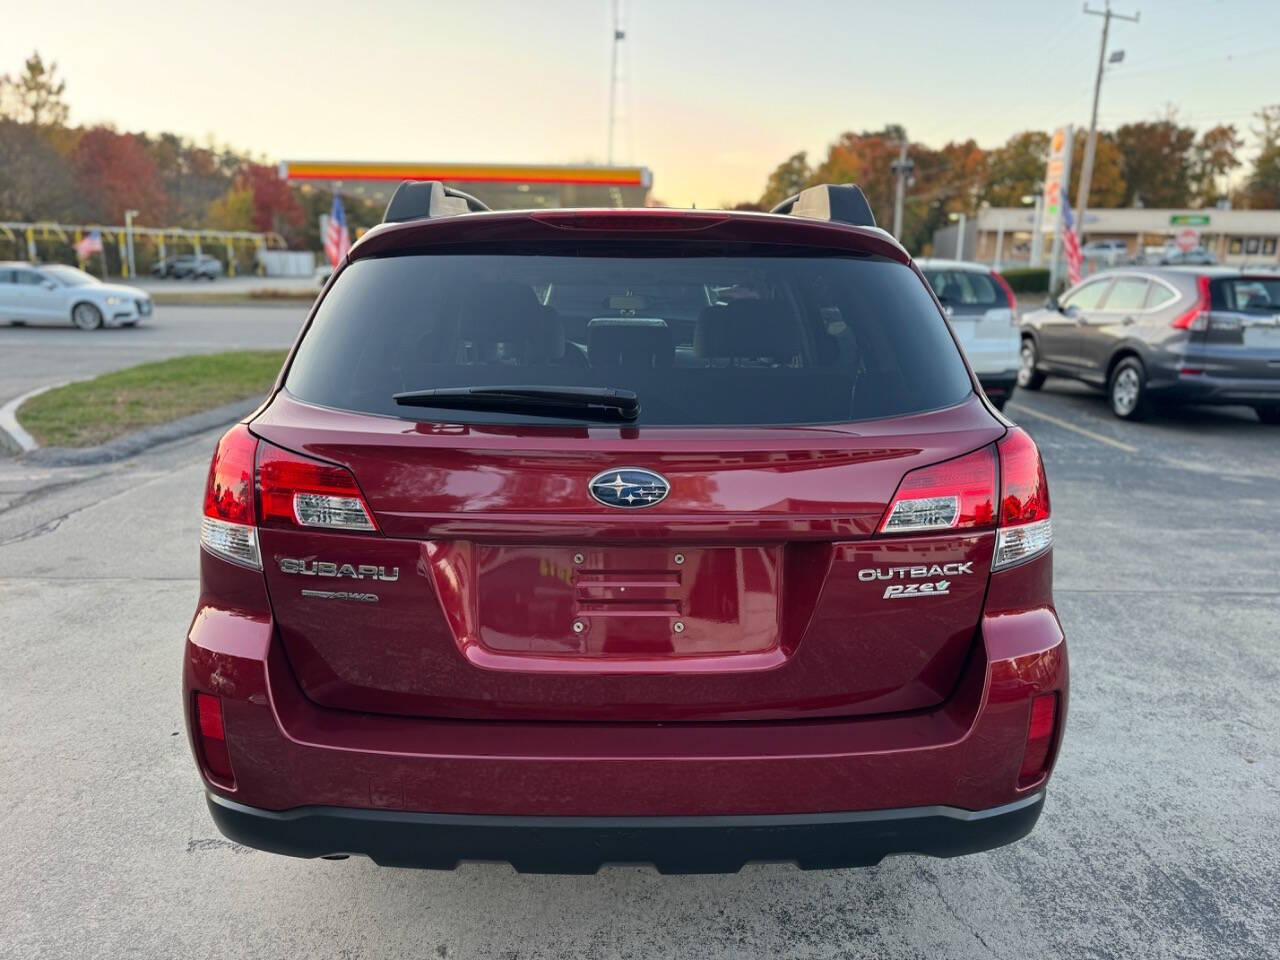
[(916, 573)]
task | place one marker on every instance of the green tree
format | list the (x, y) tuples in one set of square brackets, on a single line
[(788, 179), (1262, 190), (1157, 163), (231, 211), (35, 96), (1214, 156)]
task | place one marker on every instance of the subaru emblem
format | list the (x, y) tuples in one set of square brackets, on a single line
[(629, 487)]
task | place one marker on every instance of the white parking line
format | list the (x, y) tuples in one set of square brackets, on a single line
[(9, 419), (1065, 425)]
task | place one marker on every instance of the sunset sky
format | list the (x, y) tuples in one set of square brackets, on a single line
[(718, 93)]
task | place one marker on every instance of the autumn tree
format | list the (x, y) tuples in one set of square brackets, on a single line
[(1016, 169), (115, 172), (1157, 163), (35, 180), (35, 95), (865, 159), (1107, 182), (788, 179), (275, 208)]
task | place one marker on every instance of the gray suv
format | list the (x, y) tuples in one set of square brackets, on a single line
[(1147, 334)]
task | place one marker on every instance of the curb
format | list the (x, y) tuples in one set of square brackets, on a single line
[(140, 440), (15, 436)]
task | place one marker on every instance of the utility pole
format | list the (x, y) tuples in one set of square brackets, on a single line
[(902, 169), (1086, 166), (619, 34)]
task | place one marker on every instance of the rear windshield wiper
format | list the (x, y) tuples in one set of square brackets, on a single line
[(606, 404)]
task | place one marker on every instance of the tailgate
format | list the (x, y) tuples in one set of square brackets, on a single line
[(499, 589)]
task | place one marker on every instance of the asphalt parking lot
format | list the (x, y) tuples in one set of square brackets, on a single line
[(1159, 838)]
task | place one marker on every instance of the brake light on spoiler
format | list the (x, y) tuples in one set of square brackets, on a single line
[(960, 494), (252, 484)]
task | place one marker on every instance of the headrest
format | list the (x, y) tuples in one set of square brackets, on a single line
[(747, 330), (630, 342), (509, 314)]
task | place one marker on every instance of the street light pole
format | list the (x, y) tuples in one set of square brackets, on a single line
[(1086, 166), (1037, 234), (902, 169), (128, 230)]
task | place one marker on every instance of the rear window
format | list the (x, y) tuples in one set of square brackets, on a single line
[(964, 288), (1246, 294), (702, 340)]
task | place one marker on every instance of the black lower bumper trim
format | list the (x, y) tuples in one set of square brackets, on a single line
[(584, 844)]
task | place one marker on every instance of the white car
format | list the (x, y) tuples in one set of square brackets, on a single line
[(984, 314), (56, 293)]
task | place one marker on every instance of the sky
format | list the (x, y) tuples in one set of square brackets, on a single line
[(715, 93)]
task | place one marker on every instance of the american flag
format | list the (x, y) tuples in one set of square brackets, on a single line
[(1071, 244), (336, 239), (89, 245)]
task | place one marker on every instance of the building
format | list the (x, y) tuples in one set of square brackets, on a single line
[(502, 186), (1235, 237)]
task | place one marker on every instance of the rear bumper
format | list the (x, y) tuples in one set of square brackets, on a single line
[(999, 386), (314, 781), (706, 844), (1217, 390)]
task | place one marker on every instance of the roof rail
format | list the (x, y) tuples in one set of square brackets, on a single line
[(428, 199), (843, 203)]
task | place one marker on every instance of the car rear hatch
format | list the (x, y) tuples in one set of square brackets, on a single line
[(504, 580), (982, 313), (1239, 336)]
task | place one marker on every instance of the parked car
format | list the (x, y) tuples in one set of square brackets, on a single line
[(1108, 252), (1171, 334), (984, 314), (189, 267), (56, 293), (1171, 256), (683, 537)]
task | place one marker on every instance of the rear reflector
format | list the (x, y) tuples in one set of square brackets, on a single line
[(212, 738), (957, 493), (227, 528), (1035, 759), (297, 491)]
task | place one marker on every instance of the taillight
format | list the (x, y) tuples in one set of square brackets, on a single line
[(1008, 292), (296, 491), (228, 527), (211, 738), (957, 493), (961, 494), (1035, 758), (1197, 318), (1025, 529)]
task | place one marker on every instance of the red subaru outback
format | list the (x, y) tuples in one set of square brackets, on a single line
[(574, 537)]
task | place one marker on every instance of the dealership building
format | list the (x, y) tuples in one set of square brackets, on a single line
[(500, 186), (1235, 237)]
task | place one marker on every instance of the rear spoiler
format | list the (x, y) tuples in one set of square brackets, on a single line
[(842, 203), (427, 200)]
